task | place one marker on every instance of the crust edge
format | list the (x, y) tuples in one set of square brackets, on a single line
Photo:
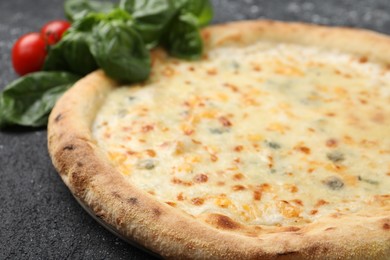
[(85, 169)]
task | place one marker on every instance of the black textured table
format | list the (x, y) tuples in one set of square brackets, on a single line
[(39, 219)]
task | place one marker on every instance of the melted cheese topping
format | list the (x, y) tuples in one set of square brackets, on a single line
[(265, 134)]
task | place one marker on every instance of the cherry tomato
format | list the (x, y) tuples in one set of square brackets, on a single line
[(28, 53), (53, 31)]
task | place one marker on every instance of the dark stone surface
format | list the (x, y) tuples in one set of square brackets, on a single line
[(39, 219)]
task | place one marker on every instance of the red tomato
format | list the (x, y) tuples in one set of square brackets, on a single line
[(28, 53), (53, 31)]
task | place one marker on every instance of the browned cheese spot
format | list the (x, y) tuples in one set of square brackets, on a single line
[(257, 194), (212, 72), (175, 180), (336, 215), (363, 59), (197, 201), (321, 203), (170, 203), (293, 189), (330, 114), (231, 87), (151, 152), (331, 143), (303, 149), (256, 67), (201, 178), (238, 148), (298, 202), (238, 188), (259, 189), (238, 176), (147, 128), (180, 196), (213, 157), (224, 121), (225, 222)]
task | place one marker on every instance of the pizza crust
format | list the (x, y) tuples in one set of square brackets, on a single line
[(172, 233)]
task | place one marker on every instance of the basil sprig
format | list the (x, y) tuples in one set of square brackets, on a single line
[(28, 100), (114, 37)]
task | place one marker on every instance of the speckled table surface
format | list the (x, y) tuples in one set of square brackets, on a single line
[(39, 219)]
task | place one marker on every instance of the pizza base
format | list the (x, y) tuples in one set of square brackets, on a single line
[(171, 233)]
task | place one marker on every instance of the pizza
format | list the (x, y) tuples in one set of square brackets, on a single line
[(275, 145)]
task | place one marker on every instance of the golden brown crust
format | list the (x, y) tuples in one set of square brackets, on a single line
[(173, 234)]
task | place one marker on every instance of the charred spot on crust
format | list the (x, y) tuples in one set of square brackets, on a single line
[(288, 253), (116, 194), (100, 213), (329, 228), (80, 182), (157, 212), (317, 249), (133, 201), (386, 226), (58, 118), (225, 222), (70, 147), (120, 222), (291, 229)]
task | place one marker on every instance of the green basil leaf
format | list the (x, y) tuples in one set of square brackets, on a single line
[(150, 33), (151, 17), (183, 39), (120, 51), (76, 9), (201, 9), (150, 11), (119, 15), (28, 101), (72, 53)]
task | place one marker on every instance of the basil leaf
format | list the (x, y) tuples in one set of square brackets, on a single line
[(201, 9), (28, 100), (151, 17), (120, 51), (148, 10), (119, 14), (76, 9), (183, 39), (72, 53)]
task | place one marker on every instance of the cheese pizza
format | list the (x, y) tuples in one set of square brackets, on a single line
[(276, 144)]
